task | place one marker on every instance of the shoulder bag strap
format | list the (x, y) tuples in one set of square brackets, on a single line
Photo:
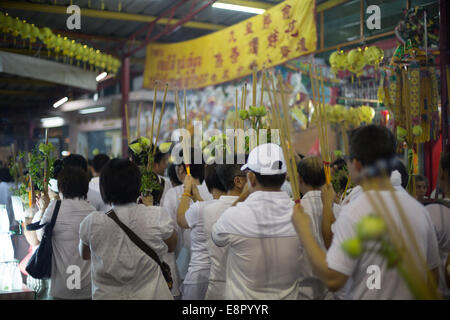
[(133, 237), (37, 225)]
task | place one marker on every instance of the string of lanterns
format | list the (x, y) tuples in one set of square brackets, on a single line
[(356, 59), (60, 45)]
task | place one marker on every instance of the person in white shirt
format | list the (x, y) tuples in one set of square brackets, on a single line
[(264, 253), (120, 269), (73, 184), (368, 145), (311, 179), (440, 216), (94, 197), (234, 181), (190, 215)]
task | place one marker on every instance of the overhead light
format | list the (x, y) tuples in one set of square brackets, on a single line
[(235, 7), (101, 76), (65, 153), (60, 102), (92, 110), (52, 122)]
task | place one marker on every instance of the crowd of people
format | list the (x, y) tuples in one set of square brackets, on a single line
[(229, 231)]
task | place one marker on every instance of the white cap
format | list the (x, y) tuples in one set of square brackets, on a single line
[(265, 159), (53, 185)]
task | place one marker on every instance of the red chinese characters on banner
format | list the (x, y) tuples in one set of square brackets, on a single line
[(272, 39), (286, 11), (248, 28), (219, 60), (253, 44), (301, 46), (232, 38), (285, 51), (266, 21), (213, 77), (240, 69), (291, 26), (234, 54), (226, 74)]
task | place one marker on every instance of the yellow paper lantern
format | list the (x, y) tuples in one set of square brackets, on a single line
[(356, 61), (85, 53), (35, 33), (25, 30), (373, 55)]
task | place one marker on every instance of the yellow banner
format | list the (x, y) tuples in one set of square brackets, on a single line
[(282, 33)]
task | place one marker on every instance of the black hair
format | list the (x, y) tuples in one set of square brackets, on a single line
[(212, 179), (227, 172), (75, 160), (372, 143), (5, 175), (400, 167), (73, 183), (339, 164), (171, 170), (197, 169), (99, 161), (310, 169), (120, 182), (142, 158), (419, 178), (57, 167), (270, 181)]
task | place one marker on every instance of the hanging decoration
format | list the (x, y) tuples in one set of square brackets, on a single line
[(63, 46), (356, 59)]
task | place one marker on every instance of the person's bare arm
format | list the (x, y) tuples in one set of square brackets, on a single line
[(328, 217), (333, 279), (185, 202), (85, 252), (172, 242), (30, 236), (244, 195)]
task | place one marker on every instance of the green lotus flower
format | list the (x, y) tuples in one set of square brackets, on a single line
[(417, 130), (136, 148), (261, 112), (253, 111), (370, 228), (401, 133), (353, 247), (243, 114), (145, 142)]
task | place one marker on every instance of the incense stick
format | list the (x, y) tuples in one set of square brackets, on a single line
[(263, 80), (185, 110), (139, 121), (254, 87), (153, 111), (160, 118)]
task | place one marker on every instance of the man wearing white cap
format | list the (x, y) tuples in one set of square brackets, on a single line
[(264, 254)]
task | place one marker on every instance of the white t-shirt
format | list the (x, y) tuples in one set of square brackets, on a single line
[(167, 185), (312, 287), (65, 241), (265, 253), (392, 284), (440, 216), (199, 263), (217, 255), (120, 269), (170, 203), (95, 198)]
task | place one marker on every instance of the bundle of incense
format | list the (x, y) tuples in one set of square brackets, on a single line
[(146, 125), (345, 190), (153, 111), (263, 80), (269, 110), (30, 186), (236, 111), (138, 120), (46, 165), (410, 261), (283, 124), (322, 123)]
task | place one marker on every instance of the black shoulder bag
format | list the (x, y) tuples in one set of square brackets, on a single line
[(144, 247), (40, 264)]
